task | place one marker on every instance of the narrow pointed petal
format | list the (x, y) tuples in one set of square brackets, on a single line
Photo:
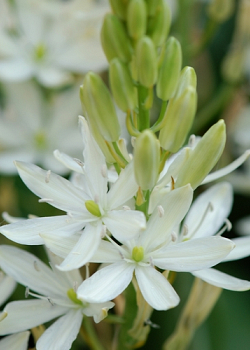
[(98, 310), (175, 205), (15, 341), (222, 280), (58, 244), (106, 253), (62, 333), (228, 169), (28, 231), (124, 188), (68, 161), (155, 288), (125, 224), (209, 211), (84, 249), (7, 286), (106, 283), (63, 194), (94, 162), (241, 250), (195, 254), (29, 271), (23, 315)]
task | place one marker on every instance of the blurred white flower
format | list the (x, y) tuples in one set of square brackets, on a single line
[(32, 127), (16, 341), (52, 40)]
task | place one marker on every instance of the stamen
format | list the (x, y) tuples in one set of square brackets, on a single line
[(133, 138), (45, 200), (151, 324), (191, 141), (173, 236), (184, 231), (87, 270), (104, 231), (126, 207), (208, 209), (36, 266), (172, 184), (47, 176), (79, 162), (104, 171), (226, 227), (115, 244), (160, 211), (96, 199), (27, 293)]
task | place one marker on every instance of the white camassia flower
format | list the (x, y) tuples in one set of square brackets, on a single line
[(91, 207), (31, 129), (16, 341), (56, 298), (155, 247), (52, 41), (213, 207)]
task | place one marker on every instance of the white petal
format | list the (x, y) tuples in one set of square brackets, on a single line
[(106, 283), (194, 254), (62, 333), (241, 250), (209, 211), (53, 76), (7, 286), (29, 271), (222, 280), (64, 195), (155, 288), (28, 231), (98, 310), (84, 249), (125, 224), (23, 315), (228, 169), (124, 188), (15, 70), (106, 253), (58, 244), (68, 161), (175, 205), (16, 341)]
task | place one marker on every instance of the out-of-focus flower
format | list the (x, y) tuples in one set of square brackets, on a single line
[(56, 298), (50, 41), (32, 127), (15, 341)]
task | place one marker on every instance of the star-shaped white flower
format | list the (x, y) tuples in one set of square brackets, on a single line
[(155, 247), (91, 207), (56, 298)]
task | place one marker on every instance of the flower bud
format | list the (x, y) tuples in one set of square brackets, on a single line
[(146, 61), (115, 41), (146, 160), (169, 71), (119, 7), (220, 10), (99, 106), (203, 157), (137, 18), (152, 6), (123, 89), (187, 78), (178, 120), (159, 25)]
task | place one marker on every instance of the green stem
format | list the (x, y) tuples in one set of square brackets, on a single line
[(143, 116), (88, 333)]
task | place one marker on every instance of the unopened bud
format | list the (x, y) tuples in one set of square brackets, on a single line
[(220, 10), (137, 18), (203, 157), (152, 6), (187, 78), (159, 25), (169, 71), (146, 160), (115, 41), (178, 118), (99, 106), (233, 66), (119, 7), (146, 61), (122, 86)]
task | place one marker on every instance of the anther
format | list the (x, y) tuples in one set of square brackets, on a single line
[(172, 183), (50, 301), (36, 266), (104, 171), (126, 207), (160, 211), (173, 236), (47, 177), (45, 200), (104, 231), (79, 162), (184, 230), (191, 141)]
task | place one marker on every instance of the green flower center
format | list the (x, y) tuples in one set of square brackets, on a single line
[(40, 140), (40, 52), (138, 254), (93, 208), (72, 296)]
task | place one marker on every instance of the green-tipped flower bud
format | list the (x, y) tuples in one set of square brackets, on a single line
[(220, 10), (119, 7), (123, 89), (159, 25), (137, 18), (146, 160), (152, 6), (204, 157), (187, 78), (169, 71), (146, 61), (115, 41), (99, 106), (179, 118)]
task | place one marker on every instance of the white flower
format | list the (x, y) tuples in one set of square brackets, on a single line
[(52, 41), (56, 298), (16, 341), (156, 246), (212, 208), (91, 207), (31, 128)]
